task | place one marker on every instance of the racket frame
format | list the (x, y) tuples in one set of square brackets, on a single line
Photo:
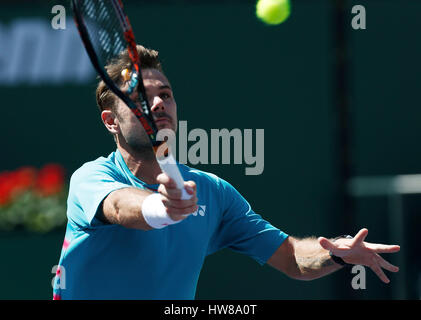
[(168, 163), (143, 116)]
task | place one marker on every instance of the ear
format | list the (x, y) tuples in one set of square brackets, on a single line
[(110, 121)]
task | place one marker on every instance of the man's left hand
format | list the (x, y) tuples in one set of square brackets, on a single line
[(356, 251)]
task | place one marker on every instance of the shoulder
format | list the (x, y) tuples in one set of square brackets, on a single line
[(200, 176), (209, 182), (102, 166)]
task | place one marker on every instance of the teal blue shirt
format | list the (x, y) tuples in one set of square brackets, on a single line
[(103, 261)]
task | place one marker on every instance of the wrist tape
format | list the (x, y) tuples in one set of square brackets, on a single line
[(155, 213)]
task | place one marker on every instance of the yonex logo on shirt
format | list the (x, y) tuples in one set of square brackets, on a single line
[(200, 211)]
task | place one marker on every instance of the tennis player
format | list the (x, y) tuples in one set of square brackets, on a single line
[(131, 236)]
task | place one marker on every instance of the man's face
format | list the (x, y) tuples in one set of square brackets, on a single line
[(163, 108), (161, 99)]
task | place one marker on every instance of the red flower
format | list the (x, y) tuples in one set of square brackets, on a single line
[(50, 179), (24, 178), (14, 183), (6, 187)]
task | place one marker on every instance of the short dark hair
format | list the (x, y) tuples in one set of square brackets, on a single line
[(149, 59)]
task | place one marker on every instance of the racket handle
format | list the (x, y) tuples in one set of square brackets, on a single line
[(169, 166)]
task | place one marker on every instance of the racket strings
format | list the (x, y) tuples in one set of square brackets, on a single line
[(104, 29)]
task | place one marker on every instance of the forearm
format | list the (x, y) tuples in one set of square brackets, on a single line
[(124, 207), (312, 261), (309, 258)]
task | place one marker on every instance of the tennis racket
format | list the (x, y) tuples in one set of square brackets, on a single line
[(105, 31)]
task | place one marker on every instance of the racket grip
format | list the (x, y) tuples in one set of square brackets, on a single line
[(169, 166)]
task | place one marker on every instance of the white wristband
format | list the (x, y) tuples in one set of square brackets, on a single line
[(155, 213)]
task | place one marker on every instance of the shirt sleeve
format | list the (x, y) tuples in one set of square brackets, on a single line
[(243, 230), (89, 186)]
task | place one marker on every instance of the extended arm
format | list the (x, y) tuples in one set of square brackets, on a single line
[(309, 258), (303, 259)]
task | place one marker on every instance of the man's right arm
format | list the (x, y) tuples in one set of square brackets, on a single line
[(125, 206)]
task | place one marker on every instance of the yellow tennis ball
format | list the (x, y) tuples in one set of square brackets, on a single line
[(273, 11)]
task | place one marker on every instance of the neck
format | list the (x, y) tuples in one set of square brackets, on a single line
[(143, 165)]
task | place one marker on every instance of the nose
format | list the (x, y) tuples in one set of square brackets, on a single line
[(157, 104)]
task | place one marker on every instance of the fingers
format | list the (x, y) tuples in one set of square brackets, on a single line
[(360, 236), (382, 248), (166, 181), (378, 264), (326, 244), (178, 203), (386, 265), (332, 246), (181, 214), (379, 272), (190, 187), (177, 208), (168, 187), (378, 248)]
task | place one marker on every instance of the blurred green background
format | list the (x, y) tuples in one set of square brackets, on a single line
[(229, 70)]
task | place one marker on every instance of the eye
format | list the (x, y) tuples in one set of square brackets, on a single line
[(165, 95)]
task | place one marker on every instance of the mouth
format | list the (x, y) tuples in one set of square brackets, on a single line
[(162, 122)]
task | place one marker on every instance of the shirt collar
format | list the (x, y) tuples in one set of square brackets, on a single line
[(135, 180)]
